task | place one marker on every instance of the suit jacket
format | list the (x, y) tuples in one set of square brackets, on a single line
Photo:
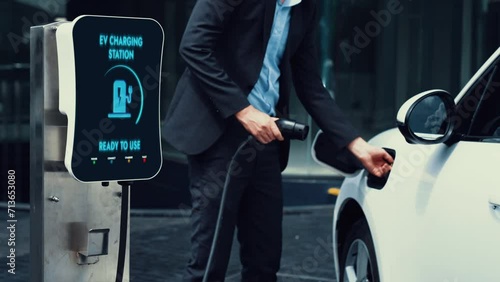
[(224, 46)]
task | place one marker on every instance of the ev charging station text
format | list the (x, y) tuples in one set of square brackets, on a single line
[(122, 47)]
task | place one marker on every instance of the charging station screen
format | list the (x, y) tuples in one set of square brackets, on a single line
[(117, 130)]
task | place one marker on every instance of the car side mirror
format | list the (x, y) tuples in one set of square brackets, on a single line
[(426, 118)]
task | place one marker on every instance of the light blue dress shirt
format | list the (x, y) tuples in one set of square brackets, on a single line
[(265, 94)]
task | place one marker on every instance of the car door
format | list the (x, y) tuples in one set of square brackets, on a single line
[(458, 196)]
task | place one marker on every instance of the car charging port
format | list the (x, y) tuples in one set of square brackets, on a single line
[(379, 182)]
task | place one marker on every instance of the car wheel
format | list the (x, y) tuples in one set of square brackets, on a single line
[(358, 262)]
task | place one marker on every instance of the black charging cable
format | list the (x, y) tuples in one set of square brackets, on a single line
[(122, 247), (289, 129), (220, 217)]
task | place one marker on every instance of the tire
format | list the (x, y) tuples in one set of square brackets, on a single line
[(354, 268)]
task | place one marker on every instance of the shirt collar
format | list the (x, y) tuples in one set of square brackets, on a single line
[(289, 3)]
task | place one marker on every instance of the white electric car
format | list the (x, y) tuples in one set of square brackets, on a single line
[(436, 217)]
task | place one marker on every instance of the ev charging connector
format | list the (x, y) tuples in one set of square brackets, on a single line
[(290, 130)]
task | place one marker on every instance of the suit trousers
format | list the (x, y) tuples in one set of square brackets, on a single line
[(253, 207)]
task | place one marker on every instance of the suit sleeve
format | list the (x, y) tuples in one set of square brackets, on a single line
[(197, 47), (313, 95)]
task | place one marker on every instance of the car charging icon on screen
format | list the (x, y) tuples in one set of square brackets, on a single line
[(122, 95)]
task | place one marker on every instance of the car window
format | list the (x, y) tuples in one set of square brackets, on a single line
[(478, 112)]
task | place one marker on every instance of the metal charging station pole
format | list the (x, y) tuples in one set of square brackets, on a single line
[(75, 227), (95, 128)]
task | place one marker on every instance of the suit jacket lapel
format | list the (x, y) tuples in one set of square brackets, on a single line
[(270, 9)]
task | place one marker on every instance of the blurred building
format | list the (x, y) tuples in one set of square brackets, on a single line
[(374, 56)]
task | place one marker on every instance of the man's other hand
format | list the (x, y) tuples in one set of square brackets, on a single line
[(260, 125), (376, 160)]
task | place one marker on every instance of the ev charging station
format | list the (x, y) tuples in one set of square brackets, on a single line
[(95, 128)]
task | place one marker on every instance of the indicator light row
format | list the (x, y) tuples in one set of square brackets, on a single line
[(112, 159)]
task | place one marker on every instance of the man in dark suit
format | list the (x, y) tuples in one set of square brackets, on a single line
[(242, 56)]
